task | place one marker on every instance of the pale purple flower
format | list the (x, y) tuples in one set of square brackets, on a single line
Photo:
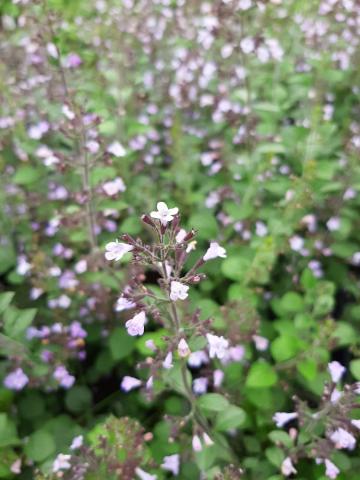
[(217, 345), (332, 470), (76, 330), (281, 418), (144, 475), (129, 383), (77, 442), (356, 423), (214, 251), (116, 250), (196, 443), (35, 293), (73, 60), (247, 45), (123, 303), (336, 370), (61, 462), (114, 187), (16, 467), (287, 467), (81, 266), (296, 243), (163, 213), (180, 235), (196, 359), (16, 380), (63, 377), (333, 224), (135, 326), (23, 266), (171, 463), (69, 114), (261, 229), (218, 377), (335, 396), (236, 353), (178, 291), (343, 439), (150, 344), (207, 440), (116, 149), (183, 348), (261, 343), (167, 363), (200, 385)]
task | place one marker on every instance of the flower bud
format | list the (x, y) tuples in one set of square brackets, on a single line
[(146, 219)]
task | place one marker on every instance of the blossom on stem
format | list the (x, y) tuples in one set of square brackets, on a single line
[(116, 149), (135, 326), (129, 383), (123, 303), (281, 418), (77, 442), (16, 380), (61, 462), (167, 363), (287, 467), (116, 250), (343, 439), (207, 440), (183, 348), (214, 251), (332, 470), (144, 475), (113, 187), (196, 443), (163, 213), (336, 371), (178, 291), (171, 463), (217, 345)]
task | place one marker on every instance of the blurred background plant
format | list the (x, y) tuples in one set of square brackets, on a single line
[(245, 115)]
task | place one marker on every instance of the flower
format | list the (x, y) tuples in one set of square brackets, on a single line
[(116, 250), (183, 348), (261, 343), (172, 463), (343, 439), (281, 418), (135, 326), (123, 303), (129, 383), (196, 359), (113, 187), (218, 377), (178, 291), (214, 251), (287, 468), (16, 380), (167, 363), (196, 443), (336, 371), (331, 469), (63, 377), (356, 423), (144, 475), (163, 213), (217, 345), (207, 440), (116, 149), (200, 385), (77, 442), (61, 462)]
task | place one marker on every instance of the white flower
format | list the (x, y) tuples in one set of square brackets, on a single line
[(116, 250), (343, 439), (333, 224), (331, 469), (217, 345), (163, 213), (200, 385), (116, 149), (69, 114), (77, 442), (123, 303), (261, 343), (135, 326), (178, 291), (335, 396), (167, 363), (287, 468), (336, 371), (144, 475), (180, 235), (129, 383), (113, 187), (296, 243), (183, 348), (207, 440), (196, 359), (172, 463), (196, 443), (356, 423), (61, 462), (214, 251), (247, 45), (281, 418)]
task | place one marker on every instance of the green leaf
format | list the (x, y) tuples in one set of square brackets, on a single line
[(78, 398), (279, 436), (5, 300), (292, 302), (40, 446), (284, 347), (231, 417), (235, 267), (8, 434), (355, 368), (212, 402), (121, 344), (307, 368), (17, 321), (26, 174), (261, 375), (174, 378), (205, 223), (275, 456)]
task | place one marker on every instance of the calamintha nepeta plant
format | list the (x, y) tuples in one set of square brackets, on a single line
[(188, 335)]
